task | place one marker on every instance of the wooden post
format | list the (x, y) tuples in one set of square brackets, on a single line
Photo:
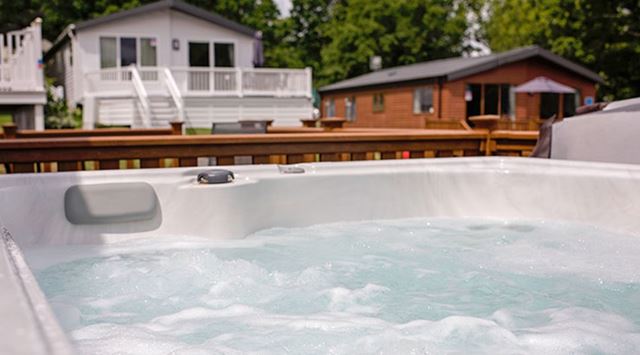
[(439, 99), (481, 99), (10, 130), (489, 122), (309, 123), (561, 106), (176, 128), (330, 123)]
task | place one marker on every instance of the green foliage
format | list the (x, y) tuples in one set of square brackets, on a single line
[(302, 35), (57, 114), (16, 14), (261, 15), (337, 37), (401, 32), (602, 35)]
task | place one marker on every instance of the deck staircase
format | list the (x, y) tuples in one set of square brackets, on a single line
[(127, 111), (140, 102), (154, 96), (163, 110)]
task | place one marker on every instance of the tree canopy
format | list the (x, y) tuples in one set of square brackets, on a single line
[(337, 37), (400, 32), (602, 35)]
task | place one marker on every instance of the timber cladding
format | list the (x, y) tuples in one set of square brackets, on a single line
[(28, 155), (449, 104)]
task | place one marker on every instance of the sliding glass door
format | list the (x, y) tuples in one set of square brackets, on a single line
[(199, 57), (121, 52)]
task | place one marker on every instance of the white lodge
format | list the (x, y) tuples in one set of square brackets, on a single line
[(173, 61), (22, 92)]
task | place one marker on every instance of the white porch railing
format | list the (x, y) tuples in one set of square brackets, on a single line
[(143, 97), (180, 82), (174, 91), (20, 59)]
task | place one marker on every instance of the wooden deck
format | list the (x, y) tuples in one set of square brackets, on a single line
[(287, 146)]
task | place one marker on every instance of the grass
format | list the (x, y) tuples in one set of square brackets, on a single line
[(5, 118), (196, 131)]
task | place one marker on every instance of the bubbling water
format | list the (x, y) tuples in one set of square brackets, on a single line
[(394, 287)]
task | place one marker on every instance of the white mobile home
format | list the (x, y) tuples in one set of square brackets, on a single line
[(173, 61), (22, 92)]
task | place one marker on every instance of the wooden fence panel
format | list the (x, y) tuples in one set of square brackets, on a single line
[(74, 153)]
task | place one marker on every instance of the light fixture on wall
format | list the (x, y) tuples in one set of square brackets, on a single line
[(175, 44)]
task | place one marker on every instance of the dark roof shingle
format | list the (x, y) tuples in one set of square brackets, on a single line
[(456, 68), (173, 5)]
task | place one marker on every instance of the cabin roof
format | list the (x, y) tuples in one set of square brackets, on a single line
[(456, 68), (176, 5)]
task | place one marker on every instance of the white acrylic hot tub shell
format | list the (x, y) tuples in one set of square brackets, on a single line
[(599, 137), (605, 195)]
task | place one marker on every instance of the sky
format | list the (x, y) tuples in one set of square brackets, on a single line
[(284, 6)]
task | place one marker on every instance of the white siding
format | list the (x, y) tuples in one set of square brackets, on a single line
[(69, 89), (164, 25), (117, 105), (201, 112), (121, 112), (186, 28)]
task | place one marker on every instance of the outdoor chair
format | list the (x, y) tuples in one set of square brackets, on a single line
[(243, 127)]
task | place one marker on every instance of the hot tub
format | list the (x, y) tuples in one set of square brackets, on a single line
[(334, 220)]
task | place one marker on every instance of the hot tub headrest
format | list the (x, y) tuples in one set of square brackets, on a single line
[(110, 203)]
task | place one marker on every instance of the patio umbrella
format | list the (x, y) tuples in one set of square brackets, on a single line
[(258, 50), (544, 84)]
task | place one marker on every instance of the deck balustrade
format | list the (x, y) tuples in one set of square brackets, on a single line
[(204, 81), (20, 59), (70, 153)]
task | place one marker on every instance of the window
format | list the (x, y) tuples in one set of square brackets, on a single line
[(350, 108), (489, 99), (128, 51), (569, 105), (507, 100), (148, 55), (108, 52), (378, 102), (330, 108), (423, 100), (223, 54), (199, 54), (473, 96), (548, 104)]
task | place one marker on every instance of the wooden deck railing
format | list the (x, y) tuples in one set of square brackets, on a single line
[(10, 131), (84, 153), (512, 143)]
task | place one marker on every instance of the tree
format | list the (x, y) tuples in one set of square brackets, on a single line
[(261, 15), (602, 35), (301, 35), (16, 14), (401, 32)]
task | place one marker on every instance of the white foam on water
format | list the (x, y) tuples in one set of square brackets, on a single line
[(392, 287)]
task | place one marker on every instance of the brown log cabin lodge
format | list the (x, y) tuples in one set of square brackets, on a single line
[(442, 93)]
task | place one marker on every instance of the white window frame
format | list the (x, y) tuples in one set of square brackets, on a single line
[(330, 107), (139, 50), (417, 100), (377, 108), (138, 46), (350, 108), (212, 46), (213, 53)]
